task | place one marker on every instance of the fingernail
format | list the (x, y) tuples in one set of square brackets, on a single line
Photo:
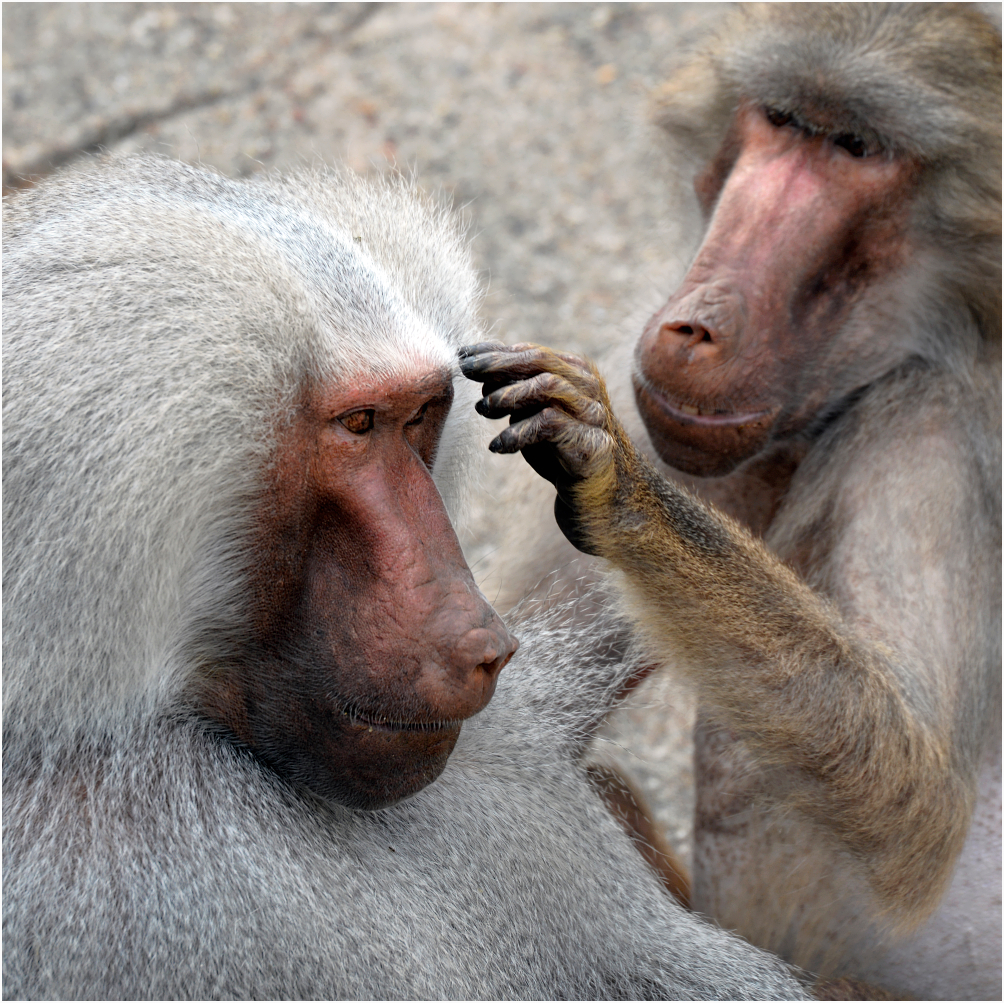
[(482, 406)]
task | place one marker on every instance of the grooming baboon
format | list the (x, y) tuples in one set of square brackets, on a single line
[(828, 374), (236, 614)]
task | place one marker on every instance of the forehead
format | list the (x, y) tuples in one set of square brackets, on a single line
[(387, 347), (365, 328)]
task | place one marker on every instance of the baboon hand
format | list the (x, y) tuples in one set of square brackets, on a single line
[(561, 421)]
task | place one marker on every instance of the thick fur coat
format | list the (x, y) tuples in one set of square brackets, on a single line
[(158, 322)]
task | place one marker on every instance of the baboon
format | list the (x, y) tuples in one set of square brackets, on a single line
[(241, 641), (810, 529)]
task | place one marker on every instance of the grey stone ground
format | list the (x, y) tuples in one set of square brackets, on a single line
[(530, 116)]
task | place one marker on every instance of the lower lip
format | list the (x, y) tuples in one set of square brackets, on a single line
[(728, 420), (362, 723)]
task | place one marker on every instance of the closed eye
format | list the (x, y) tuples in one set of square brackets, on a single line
[(419, 415), (854, 145), (779, 118)]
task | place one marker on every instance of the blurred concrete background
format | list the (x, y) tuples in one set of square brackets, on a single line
[(531, 117)]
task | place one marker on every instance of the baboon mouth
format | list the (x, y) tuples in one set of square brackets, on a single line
[(706, 445), (710, 415), (361, 720)]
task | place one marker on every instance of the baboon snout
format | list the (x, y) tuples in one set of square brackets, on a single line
[(701, 323), (470, 657)]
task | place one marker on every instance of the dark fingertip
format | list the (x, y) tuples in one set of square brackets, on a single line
[(479, 348), (470, 365), (482, 407), (495, 446)]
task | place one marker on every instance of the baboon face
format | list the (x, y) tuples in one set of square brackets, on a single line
[(371, 642), (806, 220)]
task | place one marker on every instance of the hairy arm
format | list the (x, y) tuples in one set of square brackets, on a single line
[(859, 721)]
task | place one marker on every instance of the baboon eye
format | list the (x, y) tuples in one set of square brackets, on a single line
[(854, 145), (357, 422), (419, 415), (777, 117)]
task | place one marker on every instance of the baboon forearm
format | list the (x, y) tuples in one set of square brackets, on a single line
[(796, 681), (782, 665)]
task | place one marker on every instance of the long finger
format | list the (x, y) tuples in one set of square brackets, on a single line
[(541, 391), (480, 347), (579, 447), (501, 366), (466, 351), (570, 357)]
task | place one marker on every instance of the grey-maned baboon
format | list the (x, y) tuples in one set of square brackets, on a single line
[(236, 615), (828, 375)]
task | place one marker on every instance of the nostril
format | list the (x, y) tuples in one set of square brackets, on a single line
[(492, 667), (692, 333), (496, 665)]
